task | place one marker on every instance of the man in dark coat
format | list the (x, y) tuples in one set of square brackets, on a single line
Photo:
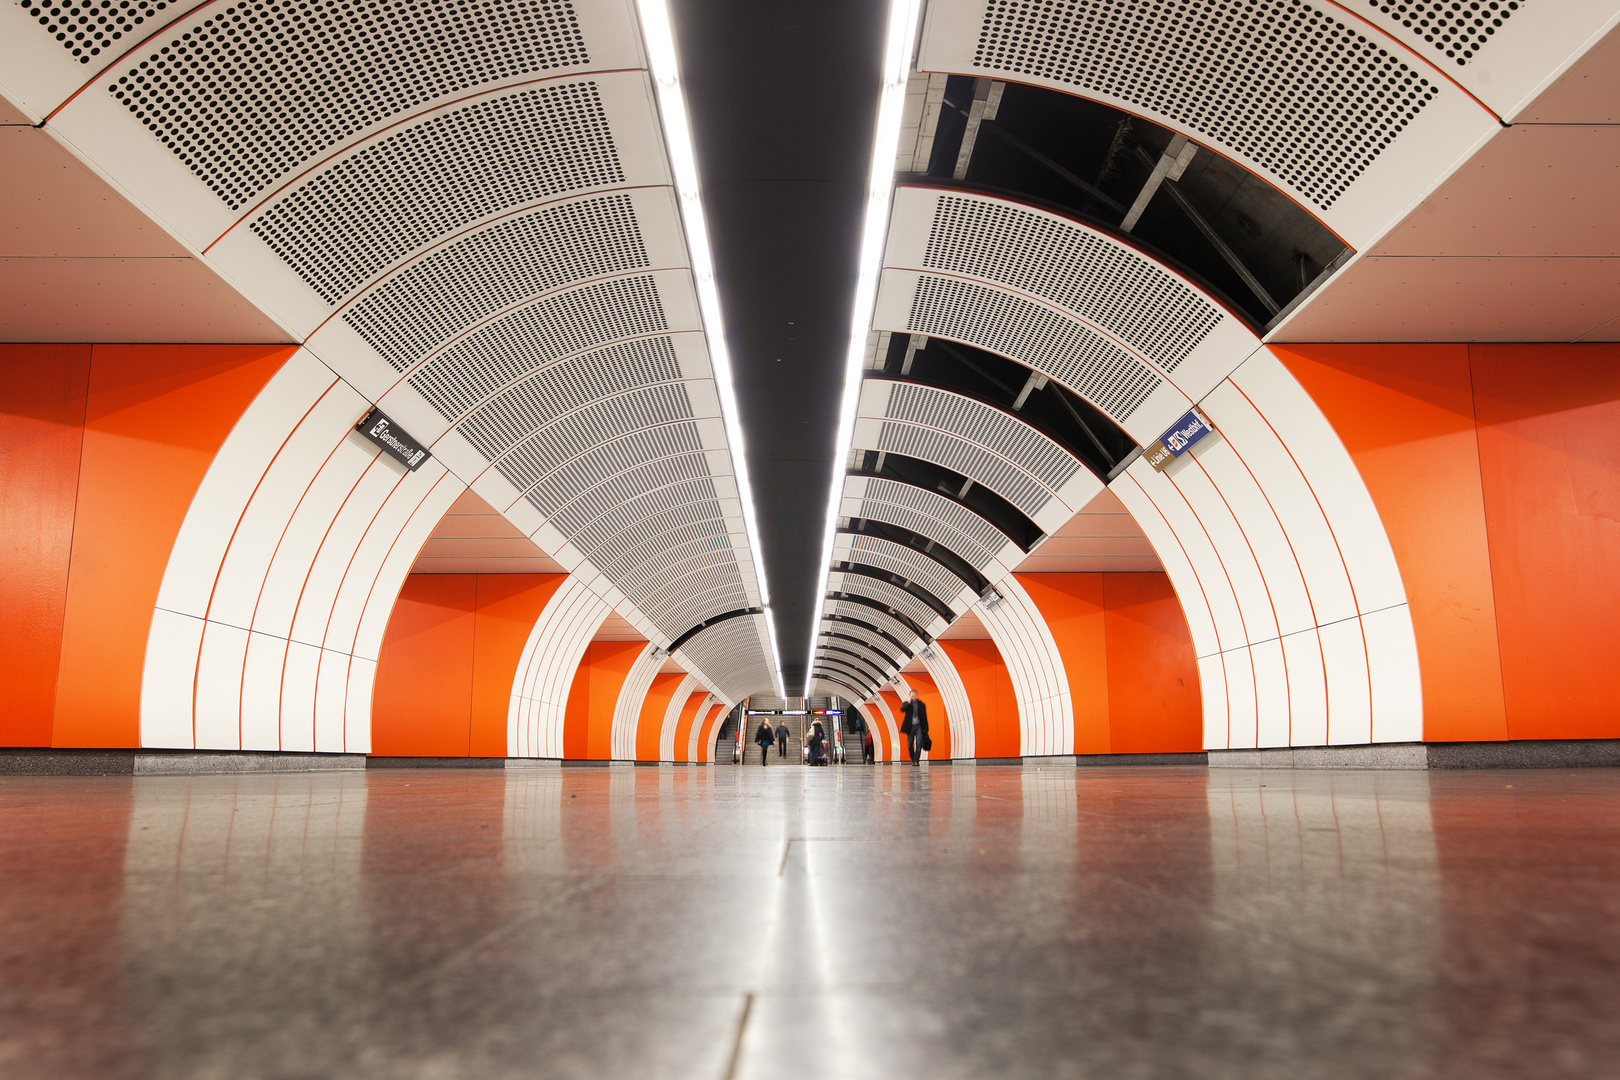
[(781, 739), (914, 723)]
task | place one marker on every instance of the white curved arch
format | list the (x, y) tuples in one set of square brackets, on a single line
[(1288, 582), (699, 748), (886, 716), (280, 582), (1040, 684), (627, 710), (672, 715), (545, 672)]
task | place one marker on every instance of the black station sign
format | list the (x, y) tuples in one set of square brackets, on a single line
[(393, 439)]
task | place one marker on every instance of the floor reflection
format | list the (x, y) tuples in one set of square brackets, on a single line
[(869, 922)]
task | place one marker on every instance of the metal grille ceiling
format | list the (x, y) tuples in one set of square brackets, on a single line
[(464, 208)]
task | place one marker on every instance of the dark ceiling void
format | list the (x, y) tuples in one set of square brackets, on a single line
[(852, 665), (841, 681), (955, 487), (1230, 231), (947, 558), (783, 98), (1056, 412), (704, 625)]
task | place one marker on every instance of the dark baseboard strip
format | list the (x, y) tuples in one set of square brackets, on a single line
[(1526, 754), (435, 763), (44, 761)]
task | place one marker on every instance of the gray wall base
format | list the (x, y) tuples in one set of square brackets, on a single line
[(533, 763), (1385, 756), (1094, 761), (1521, 754), (44, 761), (193, 762), (435, 763), (58, 762)]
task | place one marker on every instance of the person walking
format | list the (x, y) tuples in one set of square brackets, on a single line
[(817, 743), (868, 751), (914, 724), (766, 737), (781, 739)]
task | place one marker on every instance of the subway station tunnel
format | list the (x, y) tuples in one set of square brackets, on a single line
[(434, 437)]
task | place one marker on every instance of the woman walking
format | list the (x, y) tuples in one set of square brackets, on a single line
[(766, 738)]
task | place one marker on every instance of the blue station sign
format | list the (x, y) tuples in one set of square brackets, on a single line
[(1183, 435)]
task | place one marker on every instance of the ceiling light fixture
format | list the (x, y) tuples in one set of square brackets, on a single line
[(658, 35), (902, 35), (776, 653)]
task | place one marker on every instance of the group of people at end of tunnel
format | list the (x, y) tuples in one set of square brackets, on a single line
[(913, 728)]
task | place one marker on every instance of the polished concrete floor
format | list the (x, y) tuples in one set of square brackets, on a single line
[(854, 922)]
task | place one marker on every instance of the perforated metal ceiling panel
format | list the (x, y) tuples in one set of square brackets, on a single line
[(464, 210), (959, 529), (885, 648), (881, 554), (1124, 303), (892, 595), (994, 448), (887, 623), (729, 652), (1036, 335), (1327, 107), (1501, 51)]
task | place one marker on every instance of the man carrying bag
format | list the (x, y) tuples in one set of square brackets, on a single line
[(914, 723)]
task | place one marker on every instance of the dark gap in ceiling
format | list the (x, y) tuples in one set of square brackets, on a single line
[(853, 641), (1088, 160), (783, 100)]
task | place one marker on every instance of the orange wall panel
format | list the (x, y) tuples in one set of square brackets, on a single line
[(650, 725), (42, 402), (939, 721), (155, 417), (990, 693), (1154, 703), (421, 704), (683, 723), (444, 674), (588, 719), (1072, 605), (508, 605), (706, 732), (1406, 415), (1550, 465)]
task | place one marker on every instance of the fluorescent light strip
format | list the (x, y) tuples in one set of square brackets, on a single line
[(776, 653), (659, 37), (902, 33)]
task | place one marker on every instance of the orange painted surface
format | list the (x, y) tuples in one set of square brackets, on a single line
[(1072, 605), (1550, 465), (1406, 415), (1154, 703), (894, 703), (508, 605), (155, 417), (706, 732), (683, 722), (449, 655), (588, 721), (939, 720), (42, 402), (421, 703), (990, 693), (650, 725)]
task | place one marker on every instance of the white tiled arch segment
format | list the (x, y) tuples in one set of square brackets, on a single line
[(546, 669)]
